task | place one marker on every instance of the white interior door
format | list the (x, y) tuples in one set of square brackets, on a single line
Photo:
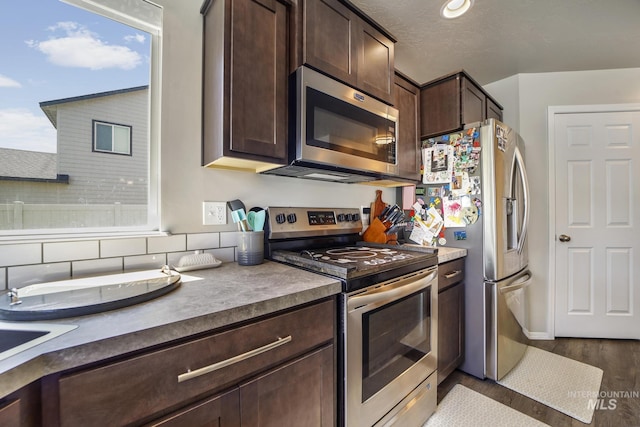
[(597, 224)]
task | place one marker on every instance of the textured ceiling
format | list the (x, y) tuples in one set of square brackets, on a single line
[(500, 38)]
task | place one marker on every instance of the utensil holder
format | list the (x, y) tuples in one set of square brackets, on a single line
[(250, 249)]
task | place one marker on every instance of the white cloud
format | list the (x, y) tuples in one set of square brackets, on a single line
[(8, 82), (140, 38), (82, 48), (23, 130)]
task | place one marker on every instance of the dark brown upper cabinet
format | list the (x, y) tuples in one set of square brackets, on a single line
[(449, 103), (245, 78), (407, 101), (341, 41)]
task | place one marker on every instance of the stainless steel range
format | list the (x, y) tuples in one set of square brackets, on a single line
[(388, 312)]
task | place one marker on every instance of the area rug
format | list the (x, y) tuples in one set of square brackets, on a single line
[(563, 384), (463, 407)]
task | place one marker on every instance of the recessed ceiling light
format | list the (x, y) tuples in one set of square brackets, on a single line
[(454, 8)]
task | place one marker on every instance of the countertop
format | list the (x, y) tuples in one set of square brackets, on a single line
[(445, 253), (449, 254), (226, 295)]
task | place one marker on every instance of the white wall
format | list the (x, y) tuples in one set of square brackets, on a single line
[(529, 96), (185, 184)]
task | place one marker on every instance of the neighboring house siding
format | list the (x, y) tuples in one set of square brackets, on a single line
[(96, 177)]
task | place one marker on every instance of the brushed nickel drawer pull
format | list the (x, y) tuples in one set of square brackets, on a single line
[(454, 273), (232, 360)]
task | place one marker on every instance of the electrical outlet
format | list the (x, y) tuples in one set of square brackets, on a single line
[(214, 213)]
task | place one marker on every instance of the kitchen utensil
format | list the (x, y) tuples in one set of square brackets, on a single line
[(240, 217), (235, 205), (256, 219), (378, 205)]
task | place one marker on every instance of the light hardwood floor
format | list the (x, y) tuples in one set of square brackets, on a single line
[(619, 359)]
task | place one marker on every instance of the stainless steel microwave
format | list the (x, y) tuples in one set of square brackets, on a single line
[(341, 134)]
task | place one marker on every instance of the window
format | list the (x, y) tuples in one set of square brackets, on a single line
[(81, 82), (111, 138)]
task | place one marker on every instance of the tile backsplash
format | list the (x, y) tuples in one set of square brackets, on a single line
[(23, 264)]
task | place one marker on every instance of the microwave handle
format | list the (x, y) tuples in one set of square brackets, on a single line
[(375, 296)]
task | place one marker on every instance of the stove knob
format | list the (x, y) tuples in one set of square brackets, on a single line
[(291, 218), (341, 217), (356, 217), (349, 217), (280, 218)]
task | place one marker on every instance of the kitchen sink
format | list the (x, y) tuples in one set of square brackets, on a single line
[(17, 337), (78, 297)]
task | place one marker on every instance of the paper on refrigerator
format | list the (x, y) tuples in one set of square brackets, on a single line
[(438, 164), (426, 231)]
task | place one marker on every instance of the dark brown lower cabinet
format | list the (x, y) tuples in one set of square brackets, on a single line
[(222, 410), (297, 394), (450, 317), (10, 413), (276, 371), (21, 408)]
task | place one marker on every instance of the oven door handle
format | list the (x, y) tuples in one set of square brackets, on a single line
[(382, 295)]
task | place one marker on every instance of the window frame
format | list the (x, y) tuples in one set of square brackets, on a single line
[(94, 137), (147, 17)]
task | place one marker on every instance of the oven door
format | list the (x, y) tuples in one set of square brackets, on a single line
[(391, 339)]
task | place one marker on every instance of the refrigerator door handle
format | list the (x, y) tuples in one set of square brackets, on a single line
[(518, 284), (525, 189)]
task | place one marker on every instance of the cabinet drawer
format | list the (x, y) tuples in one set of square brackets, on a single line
[(136, 388), (450, 273)]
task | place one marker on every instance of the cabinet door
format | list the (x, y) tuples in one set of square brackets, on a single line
[(259, 78), (329, 39), (440, 107), (450, 330), (300, 393), (245, 81), (375, 63), (473, 102), (218, 411), (10, 413), (493, 110), (407, 101), (22, 408)]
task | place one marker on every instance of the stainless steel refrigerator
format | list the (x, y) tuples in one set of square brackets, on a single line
[(485, 208)]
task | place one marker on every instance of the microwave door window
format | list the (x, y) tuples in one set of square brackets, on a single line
[(351, 136), (336, 125)]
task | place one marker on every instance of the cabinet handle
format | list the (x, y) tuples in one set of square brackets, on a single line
[(235, 359), (452, 274)]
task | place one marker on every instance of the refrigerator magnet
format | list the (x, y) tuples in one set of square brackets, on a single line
[(460, 235), (470, 214)]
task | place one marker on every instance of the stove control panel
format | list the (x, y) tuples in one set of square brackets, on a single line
[(288, 222)]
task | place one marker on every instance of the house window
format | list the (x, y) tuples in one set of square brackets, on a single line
[(82, 78), (111, 138)]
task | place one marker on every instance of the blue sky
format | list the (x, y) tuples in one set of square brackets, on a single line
[(51, 50)]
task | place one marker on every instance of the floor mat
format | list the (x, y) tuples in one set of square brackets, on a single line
[(563, 384), (463, 407)]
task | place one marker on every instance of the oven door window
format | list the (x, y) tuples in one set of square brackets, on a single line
[(339, 126), (395, 337)]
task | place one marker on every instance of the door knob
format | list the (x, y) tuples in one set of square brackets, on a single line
[(564, 238)]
